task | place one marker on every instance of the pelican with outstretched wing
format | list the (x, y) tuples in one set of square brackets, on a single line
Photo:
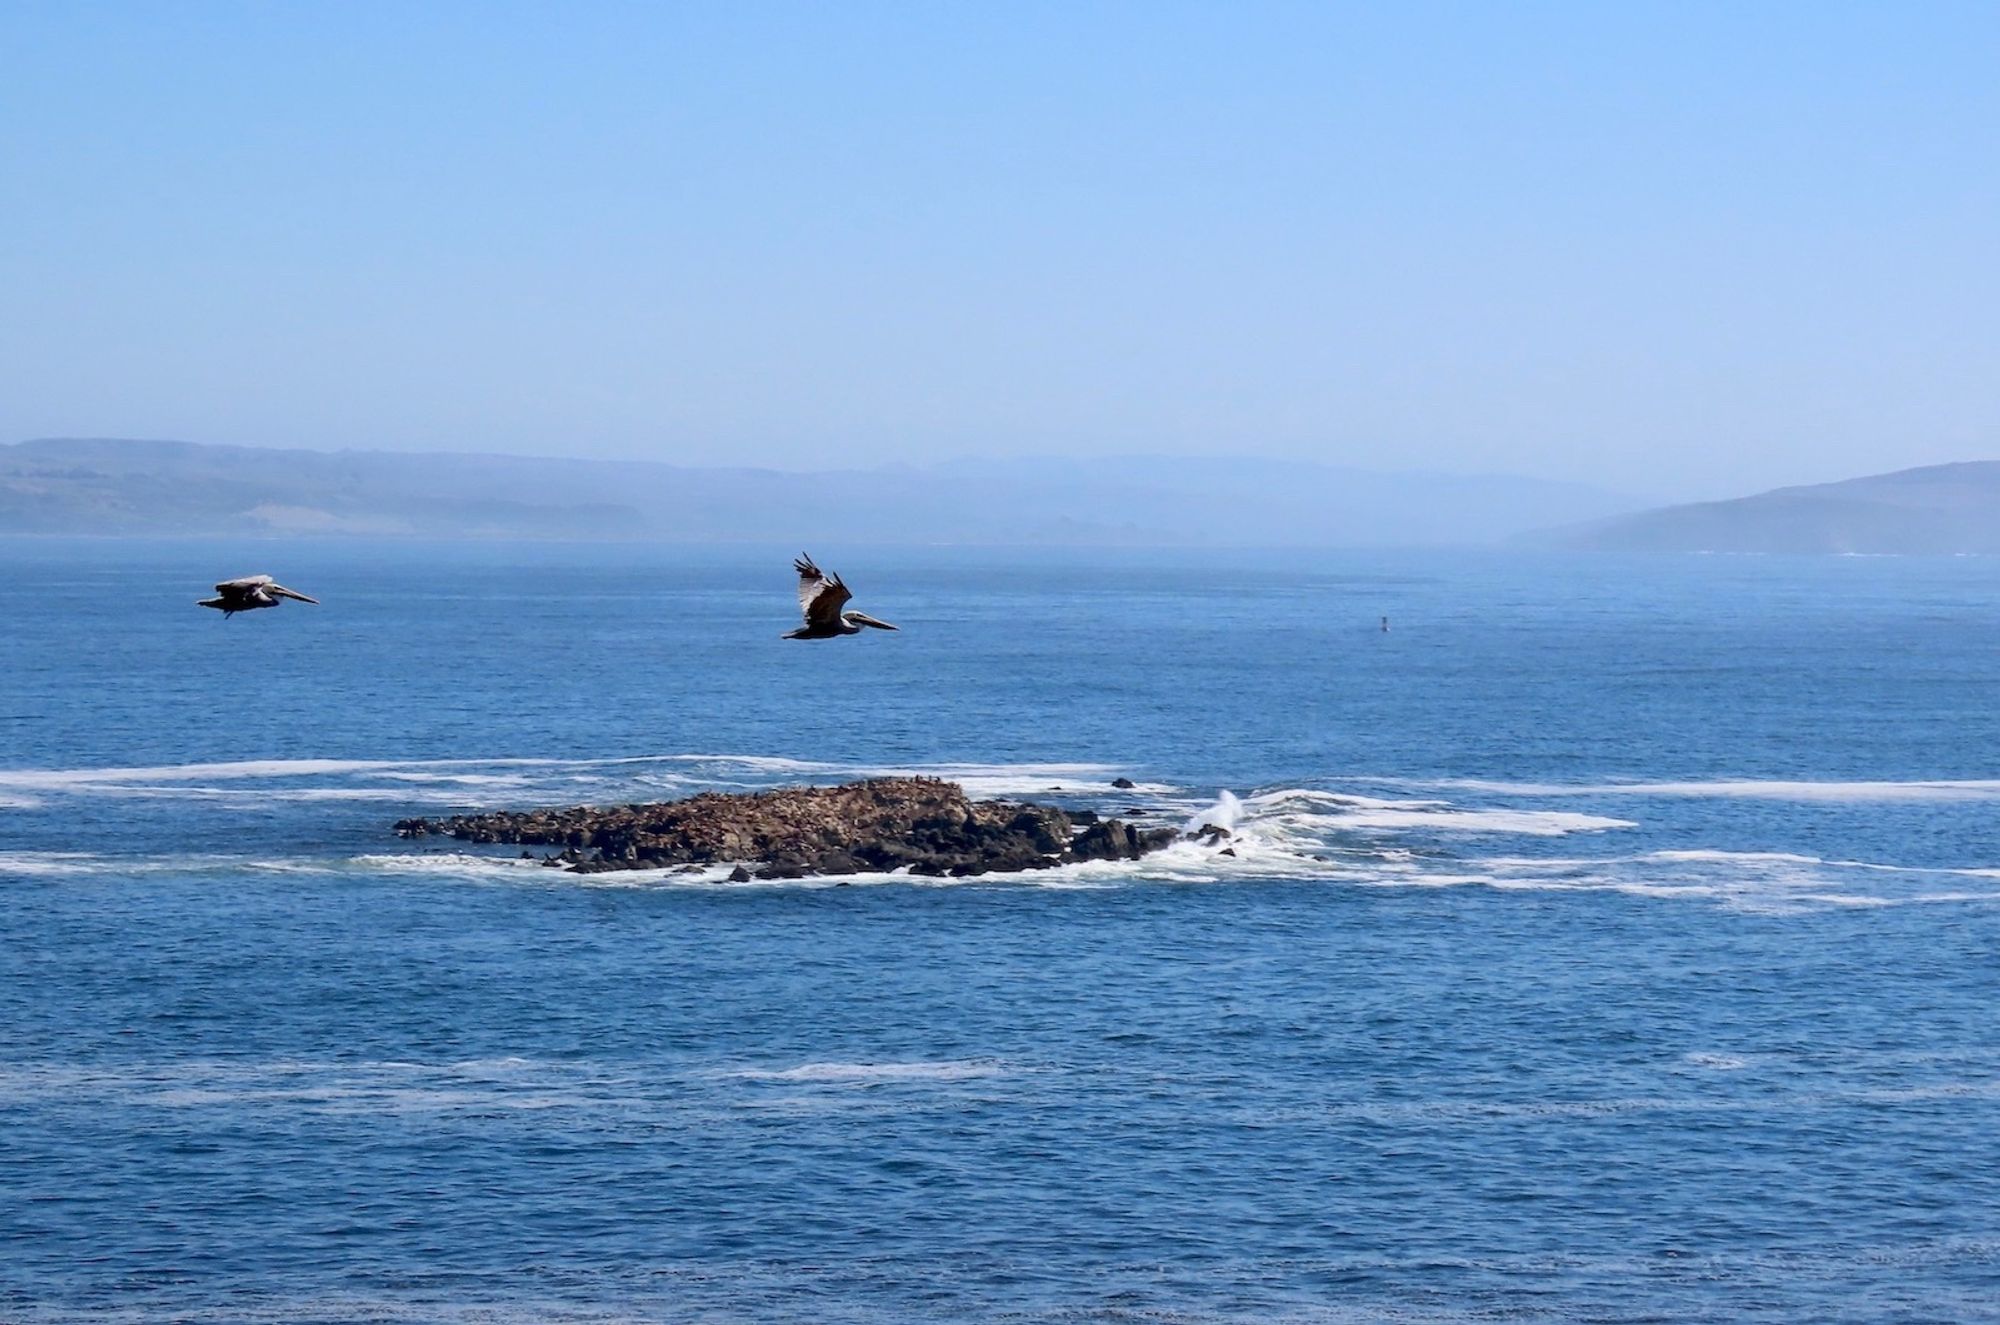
[(820, 599), (250, 593)]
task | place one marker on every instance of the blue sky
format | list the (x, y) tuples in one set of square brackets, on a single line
[(1678, 249)]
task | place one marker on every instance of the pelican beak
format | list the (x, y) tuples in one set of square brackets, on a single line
[(871, 621), (283, 592)]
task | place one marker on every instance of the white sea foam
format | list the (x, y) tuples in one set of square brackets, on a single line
[(1301, 834), (456, 781), (268, 795), (458, 864), (617, 1307), (1739, 789), (498, 780), (1346, 810), (1286, 834), (768, 763), (59, 779), (357, 1088), (872, 1073), (1772, 883), (1530, 823), (1227, 812), (1269, 851), (82, 864), (979, 779), (49, 863)]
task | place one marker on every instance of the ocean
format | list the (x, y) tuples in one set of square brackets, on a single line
[(1609, 940)]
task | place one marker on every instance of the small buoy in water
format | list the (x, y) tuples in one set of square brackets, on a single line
[(1385, 625)]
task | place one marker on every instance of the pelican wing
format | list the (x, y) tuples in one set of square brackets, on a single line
[(243, 587), (820, 597)]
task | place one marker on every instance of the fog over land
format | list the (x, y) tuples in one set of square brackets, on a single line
[(1937, 509), (115, 487), (121, 487)]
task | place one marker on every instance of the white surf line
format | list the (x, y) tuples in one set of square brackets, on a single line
[(1930, 789), (70, 779), (1023, 779), (1331, 810), (32, 780), (65, 779), (46, 863), (1721, 856), (873, 1073)]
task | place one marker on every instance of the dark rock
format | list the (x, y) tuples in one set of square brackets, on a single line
[(1123, 784), (927, 826), (1109, 840)]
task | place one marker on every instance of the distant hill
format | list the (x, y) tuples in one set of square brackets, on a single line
[(1935, 509), (117, 487)]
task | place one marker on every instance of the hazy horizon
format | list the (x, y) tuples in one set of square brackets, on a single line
[(1679, 252), (836, 463)]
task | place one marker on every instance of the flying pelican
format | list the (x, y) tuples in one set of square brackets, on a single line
[(250, 593), (820, 598)]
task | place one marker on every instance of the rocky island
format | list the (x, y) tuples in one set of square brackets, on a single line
[(925, 825)]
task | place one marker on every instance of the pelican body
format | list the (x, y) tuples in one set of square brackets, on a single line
[(250, 593), (820, 599)]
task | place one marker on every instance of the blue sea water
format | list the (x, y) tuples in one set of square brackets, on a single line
[(1608, 941)]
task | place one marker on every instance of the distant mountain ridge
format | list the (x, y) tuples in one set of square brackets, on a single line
[(105, 486), (1935, 509)]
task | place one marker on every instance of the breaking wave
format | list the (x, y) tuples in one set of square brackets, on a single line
[(1441, 834)]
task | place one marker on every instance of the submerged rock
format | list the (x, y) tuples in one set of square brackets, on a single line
[(925, 825)]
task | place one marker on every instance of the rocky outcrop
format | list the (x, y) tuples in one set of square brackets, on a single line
[(926, 825)]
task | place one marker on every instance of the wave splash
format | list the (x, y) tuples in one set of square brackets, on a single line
[(1437, 836)]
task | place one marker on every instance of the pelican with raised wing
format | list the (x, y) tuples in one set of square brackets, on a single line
[(250, 593), (821, 598)]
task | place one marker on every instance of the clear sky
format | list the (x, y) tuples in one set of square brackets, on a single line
[(1680, 249)]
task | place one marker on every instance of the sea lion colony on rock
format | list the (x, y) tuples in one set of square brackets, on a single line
[(926, 825)]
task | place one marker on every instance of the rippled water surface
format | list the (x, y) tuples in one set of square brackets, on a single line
[(1608, 941)]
